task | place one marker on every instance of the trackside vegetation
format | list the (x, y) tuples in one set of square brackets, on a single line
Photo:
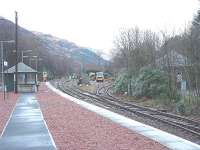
[(154, 84)]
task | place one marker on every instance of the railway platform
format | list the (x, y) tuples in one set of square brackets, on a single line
[(76, 124), (50, 115), (26, 128)]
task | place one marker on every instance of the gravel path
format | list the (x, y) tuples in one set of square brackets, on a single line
[(74, 128), (6, 107)]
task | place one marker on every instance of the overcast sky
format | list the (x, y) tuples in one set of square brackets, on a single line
[(95, 23)]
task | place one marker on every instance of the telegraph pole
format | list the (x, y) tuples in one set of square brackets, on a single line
[(3, 84), (16, 51)]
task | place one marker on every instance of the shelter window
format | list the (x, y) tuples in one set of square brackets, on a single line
[(21, 78), (30, 78)]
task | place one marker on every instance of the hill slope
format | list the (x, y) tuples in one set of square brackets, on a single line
[(57, 55), (70, 49)]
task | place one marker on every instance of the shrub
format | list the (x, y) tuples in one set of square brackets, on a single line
[(180, 107), (188, 105), (150, 83), (120, 83)]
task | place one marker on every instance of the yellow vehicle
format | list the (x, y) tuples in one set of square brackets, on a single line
[(99, 77)]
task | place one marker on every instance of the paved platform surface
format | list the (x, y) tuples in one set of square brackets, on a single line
[(26, 128)]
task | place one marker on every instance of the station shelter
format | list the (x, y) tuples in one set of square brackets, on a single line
[(27, 78)]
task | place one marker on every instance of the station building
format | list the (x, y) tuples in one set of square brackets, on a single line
[(27, 78)]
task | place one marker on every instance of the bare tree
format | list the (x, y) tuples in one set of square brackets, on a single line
[(135, 49)]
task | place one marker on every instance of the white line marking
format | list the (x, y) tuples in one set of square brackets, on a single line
[(47, 127)]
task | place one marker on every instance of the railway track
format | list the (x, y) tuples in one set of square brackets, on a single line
[(171, 119), (105, 99)]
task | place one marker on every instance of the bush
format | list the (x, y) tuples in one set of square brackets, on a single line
[(150, 83), (180, 107), (120, 84), (188, 105)]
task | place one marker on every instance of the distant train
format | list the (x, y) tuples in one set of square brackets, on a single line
[(99, 77)]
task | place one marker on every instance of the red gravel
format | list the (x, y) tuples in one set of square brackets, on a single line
[(6, 107), (75, 128)]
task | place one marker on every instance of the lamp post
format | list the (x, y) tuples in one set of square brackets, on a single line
[(33, 58), (37, 59), (3, 64), (16, 52)]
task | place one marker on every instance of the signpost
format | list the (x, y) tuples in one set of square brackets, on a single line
[(183, 87), (181, 84)]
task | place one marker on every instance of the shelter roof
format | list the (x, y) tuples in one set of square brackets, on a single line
[(21, 68)]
